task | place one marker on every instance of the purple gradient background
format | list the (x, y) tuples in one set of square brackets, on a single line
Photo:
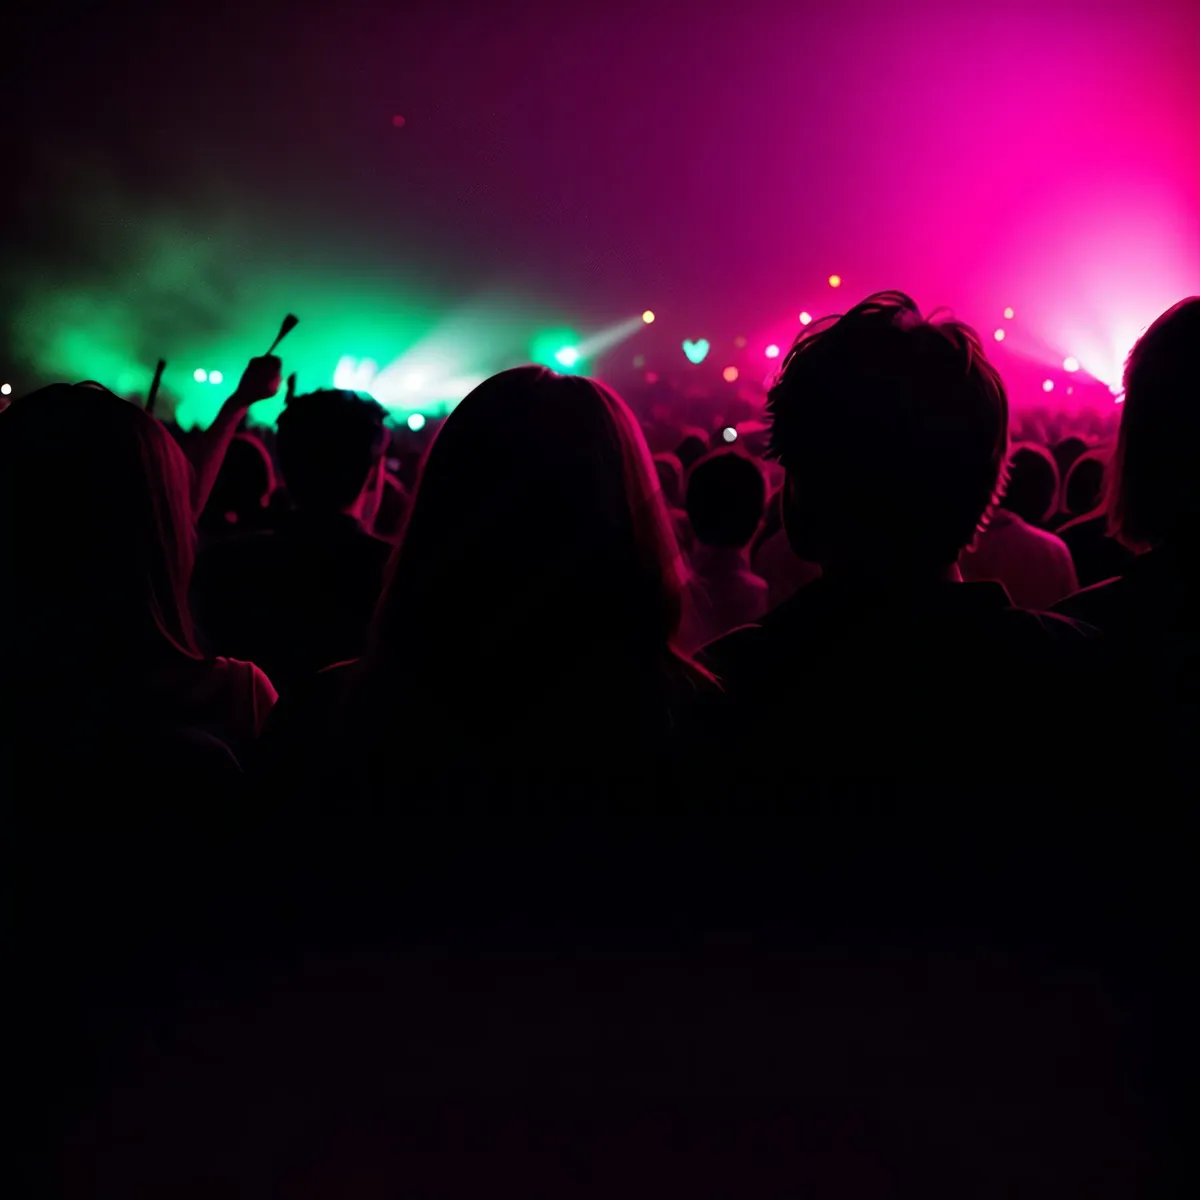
[(715, 163)]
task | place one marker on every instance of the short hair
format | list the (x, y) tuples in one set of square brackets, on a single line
[(670, 478), (1153, 497), (692, 447), (328, 442), (1084, 485), (892, 428), (243, 485), (1031, 488), (726, 496)]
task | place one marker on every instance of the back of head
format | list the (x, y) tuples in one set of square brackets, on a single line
[(1066, 451), (536, 532), (670, 478), (1084, 484), (892, 429), (692, 447), (1153, 499), (95, 532), (726, 497), (1031, 490), (329, 442), (243, 486)]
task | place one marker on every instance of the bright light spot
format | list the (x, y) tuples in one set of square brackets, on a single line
[(835, 281), (1070, 365), (999, 335), (216, 377), (697, 351), (648, 317), (5, 389), (199, 374), (730, 374), (413, 381), (739, 342), (806, 318), (344, 372), (1047, 385), (729, 433), (1070, 391), (772, 351), (568, 356), (416, 422), (1008, 314)]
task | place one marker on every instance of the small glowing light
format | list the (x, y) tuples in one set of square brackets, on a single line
[(416, 422), (999, 335), (1115, 388), (199, 374), (216, 377), (806, 318), (648, 317), (1008, 314), (5, 389), (696, 352), (835, 281), (568, 356), (1047, 385), (1071, 365), (739, 342), (651, 376), (772, 351), (639, 361), (398, 121), (730, 374), (729, 433)]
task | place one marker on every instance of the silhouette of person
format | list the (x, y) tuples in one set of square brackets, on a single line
[(94, 618), (526, 628), (299, 598), (892, 429)]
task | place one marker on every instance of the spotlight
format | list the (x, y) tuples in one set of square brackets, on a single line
[(999, 335), (413, 381), (5, 389), (648, 317), (730, 374), (835, 281), (729, 433), (416, 422), (772, 351), (200, 375), (1047, 385), (216, 377), (1008, 314), (568, 356), (1071, 365), (806, 318)]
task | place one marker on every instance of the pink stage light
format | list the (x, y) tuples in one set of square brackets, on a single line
[(1070, 365), (730, 374), (772, 351), (999, 335), (1048, 385), (1008, 314), (806, 318)]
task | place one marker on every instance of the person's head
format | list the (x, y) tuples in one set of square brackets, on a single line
[(892, 429), (331, 451), (1066, 451), (1084, 483), (1031, 490), (393, 504), (96, 532), (692, 447), (242, 488), (1153, 499), (670, 478), (726, 496), (536, 532)]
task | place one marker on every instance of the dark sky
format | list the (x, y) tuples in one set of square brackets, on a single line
[(716, 162)]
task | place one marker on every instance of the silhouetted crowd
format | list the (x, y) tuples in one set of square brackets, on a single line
[(882, 663)]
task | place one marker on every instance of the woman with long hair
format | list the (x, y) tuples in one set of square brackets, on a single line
[(525, 628), (97, 540)]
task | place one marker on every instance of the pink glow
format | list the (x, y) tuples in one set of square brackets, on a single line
[(1070, 365), (1048, 385), (805, 318), (999, 335), (772, 351)]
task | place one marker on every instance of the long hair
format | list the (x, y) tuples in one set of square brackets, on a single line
[(537, 537), (96, 535), (1152, 497)]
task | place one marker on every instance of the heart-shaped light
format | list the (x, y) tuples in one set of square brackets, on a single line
[(697, 352)]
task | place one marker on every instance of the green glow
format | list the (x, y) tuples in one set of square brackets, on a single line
[(549, 344)]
